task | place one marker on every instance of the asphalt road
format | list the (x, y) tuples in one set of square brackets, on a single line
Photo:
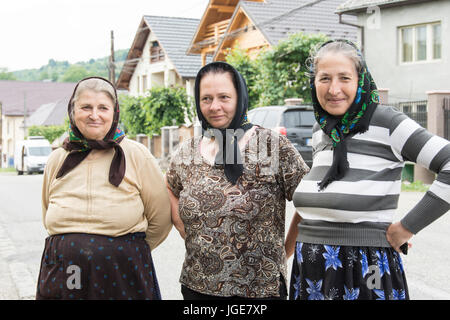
[(22, 237)]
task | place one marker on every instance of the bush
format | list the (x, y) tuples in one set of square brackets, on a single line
[(283, 71), (48, 132), (239, 59), (162, 107), (416, 186), (5, 75), (132, 114)]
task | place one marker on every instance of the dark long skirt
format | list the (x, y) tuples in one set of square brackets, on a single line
[(344, 272), (89, 266)]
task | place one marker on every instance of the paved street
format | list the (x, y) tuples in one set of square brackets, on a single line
[(22, 239)]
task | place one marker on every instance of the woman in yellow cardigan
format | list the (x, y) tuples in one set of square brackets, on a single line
[(105, 206)]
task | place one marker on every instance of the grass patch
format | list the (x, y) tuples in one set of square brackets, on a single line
[(416, 186), (7, 169)]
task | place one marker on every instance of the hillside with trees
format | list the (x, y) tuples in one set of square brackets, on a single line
[(63, 71)]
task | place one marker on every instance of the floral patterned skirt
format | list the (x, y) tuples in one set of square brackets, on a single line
[(322, 272)]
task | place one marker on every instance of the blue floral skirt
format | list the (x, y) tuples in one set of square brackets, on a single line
[(322, 272), (96, 267)]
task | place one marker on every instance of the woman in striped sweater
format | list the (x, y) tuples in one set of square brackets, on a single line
[(345, 242)]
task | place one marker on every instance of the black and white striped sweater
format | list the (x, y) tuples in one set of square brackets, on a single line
[(357, 209)]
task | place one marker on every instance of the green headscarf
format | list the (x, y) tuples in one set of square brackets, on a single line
[(355, 120)]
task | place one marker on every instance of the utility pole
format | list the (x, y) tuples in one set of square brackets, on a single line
[(112, 66)]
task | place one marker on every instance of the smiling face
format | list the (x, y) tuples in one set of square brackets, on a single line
[(93, 114), (218, 99), (336, 83)]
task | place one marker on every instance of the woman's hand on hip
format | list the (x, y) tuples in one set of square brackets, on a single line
[(397, 235)]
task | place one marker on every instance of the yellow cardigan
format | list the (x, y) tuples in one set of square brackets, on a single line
[(84, 201)]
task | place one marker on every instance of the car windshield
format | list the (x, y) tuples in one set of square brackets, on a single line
[(39, 151), (299, 118)]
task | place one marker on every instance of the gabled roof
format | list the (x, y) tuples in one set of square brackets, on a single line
[(36, 94), (217, 12), (361, 5), (276, 19), (50, 114), (174, 35)]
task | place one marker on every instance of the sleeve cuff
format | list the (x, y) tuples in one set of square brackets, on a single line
[(430, 208)]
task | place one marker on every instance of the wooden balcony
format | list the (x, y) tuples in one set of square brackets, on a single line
[(214, 32)]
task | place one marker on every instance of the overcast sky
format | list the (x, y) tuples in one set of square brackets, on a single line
[(34, 31)]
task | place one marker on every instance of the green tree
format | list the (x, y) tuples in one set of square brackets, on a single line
[(240, 59), (74, 74), (133, 114), (51, 63), (162, 107), (5, 75), (167, 107), (284, 71), (44, 75), (54, 76), (56, 69), (48, 132)]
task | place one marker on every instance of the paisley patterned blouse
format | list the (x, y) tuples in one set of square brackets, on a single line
[(235, 233)]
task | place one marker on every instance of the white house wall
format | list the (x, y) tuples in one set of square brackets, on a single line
[(12, 130), (406, 81), (157, 74)]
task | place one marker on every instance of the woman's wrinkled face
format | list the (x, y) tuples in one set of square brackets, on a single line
[(93, 114), (336, 83), (218, 99)]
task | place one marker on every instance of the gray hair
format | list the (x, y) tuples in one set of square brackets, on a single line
[(97, 85), (342, 47)]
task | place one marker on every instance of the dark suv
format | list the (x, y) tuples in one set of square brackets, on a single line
[(295, 122)]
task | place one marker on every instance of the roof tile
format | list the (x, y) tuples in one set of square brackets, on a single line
[(175, 35), (277, 18), (14, 94)]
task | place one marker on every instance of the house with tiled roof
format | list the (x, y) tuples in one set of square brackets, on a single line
[(404, 45), (19, 98), (257, 24), (158, 56), (50, 114)]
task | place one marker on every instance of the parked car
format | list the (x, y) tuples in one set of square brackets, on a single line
[(31, 155), (295, 122)]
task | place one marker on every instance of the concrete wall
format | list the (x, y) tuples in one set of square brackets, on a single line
[(406, 81)]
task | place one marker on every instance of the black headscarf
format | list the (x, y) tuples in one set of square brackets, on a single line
[(355, 120), (229, 154)]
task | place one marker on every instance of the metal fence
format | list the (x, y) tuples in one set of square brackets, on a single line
[(416, 110), (446, 106)]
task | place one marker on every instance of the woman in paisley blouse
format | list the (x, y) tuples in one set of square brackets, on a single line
[(228, 191)]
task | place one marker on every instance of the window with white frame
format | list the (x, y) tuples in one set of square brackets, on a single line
[(420, 42)]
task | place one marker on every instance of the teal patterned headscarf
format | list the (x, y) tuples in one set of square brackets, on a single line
[(355, 120)]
